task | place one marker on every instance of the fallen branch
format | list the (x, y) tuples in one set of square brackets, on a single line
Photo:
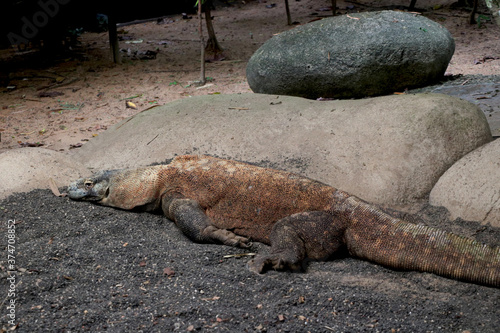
[(57, 85), (119, 25)]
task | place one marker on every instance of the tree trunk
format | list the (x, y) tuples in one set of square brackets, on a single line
[(288, 16), (113, 39), (334, 7), (472, 16), (202, 43), (213, 51)]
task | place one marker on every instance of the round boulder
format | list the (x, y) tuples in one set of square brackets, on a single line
[(352, 56), (469, 189), (26, 169), (389, 149)]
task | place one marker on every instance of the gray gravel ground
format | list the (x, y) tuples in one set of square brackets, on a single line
[(82, 267)]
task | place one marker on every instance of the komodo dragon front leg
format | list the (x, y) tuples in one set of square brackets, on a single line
[(316, 235), (190, 217)]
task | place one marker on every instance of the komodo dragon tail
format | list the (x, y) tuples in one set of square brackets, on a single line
[(376, 236)]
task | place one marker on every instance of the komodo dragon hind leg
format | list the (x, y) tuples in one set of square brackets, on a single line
[(196, 225), (315, 235)]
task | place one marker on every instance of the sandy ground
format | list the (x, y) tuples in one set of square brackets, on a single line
[(93, 91)]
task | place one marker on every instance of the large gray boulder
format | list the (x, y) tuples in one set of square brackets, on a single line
[(470, 189), (363, 54), (389, 149)]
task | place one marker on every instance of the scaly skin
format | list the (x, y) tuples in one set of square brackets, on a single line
[(228, 202)]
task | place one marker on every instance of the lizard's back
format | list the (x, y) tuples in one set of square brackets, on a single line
[(241, 197)]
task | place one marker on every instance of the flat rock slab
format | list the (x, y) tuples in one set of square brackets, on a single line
[(352, 56), (484, 95), (27, 169), (386, 149), (470, 188)]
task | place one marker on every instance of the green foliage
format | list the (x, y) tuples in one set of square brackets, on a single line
[(202, 2), (490, 3), (482, 18)]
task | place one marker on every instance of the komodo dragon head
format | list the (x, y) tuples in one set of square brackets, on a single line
[(95, 188), (125, 189)]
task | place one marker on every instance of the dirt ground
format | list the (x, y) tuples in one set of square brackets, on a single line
[(87, 268), (93, 91)]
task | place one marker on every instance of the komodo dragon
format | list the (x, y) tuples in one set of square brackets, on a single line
[(221, 201)]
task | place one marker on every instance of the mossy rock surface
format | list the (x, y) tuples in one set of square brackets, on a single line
[(363, 54)]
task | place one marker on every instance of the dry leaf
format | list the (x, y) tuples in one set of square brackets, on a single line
[(53, 188), (130, 105), (168, 271)]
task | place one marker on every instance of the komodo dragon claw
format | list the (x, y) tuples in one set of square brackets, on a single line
[(226, 237), (261, 263)]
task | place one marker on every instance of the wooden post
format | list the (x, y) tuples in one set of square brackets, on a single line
[(113, 39), (288, 16), (202, 42), (412, 4), (472, 16)]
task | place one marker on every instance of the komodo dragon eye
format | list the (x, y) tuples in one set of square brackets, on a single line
[(88, 184)]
